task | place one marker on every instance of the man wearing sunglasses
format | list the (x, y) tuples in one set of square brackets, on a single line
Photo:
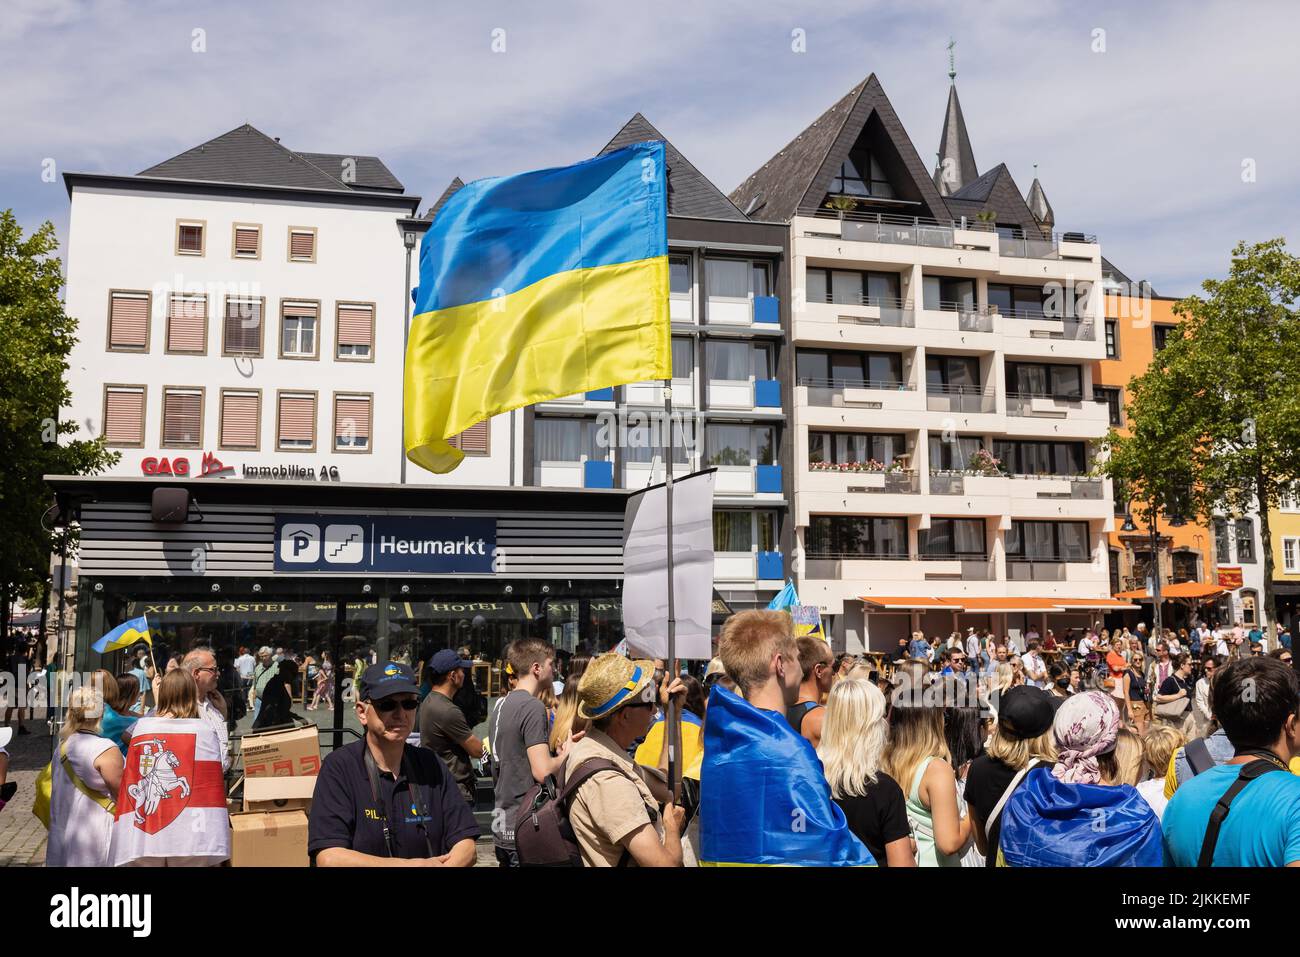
[(379, 802)]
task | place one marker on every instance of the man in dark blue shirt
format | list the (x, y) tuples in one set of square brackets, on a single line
[(380, 802)]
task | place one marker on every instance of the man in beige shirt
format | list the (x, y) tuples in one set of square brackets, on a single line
[(614, 813)]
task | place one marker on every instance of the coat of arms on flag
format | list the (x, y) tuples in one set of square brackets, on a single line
[(157, 779)]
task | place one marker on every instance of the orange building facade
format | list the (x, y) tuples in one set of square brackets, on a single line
[(1136, 327)]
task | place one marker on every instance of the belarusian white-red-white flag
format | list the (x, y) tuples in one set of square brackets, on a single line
[(172, 802)]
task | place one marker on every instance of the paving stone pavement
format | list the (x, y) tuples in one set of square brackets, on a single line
[(22, 837)]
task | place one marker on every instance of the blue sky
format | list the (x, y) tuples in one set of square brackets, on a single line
[(1142, 143)]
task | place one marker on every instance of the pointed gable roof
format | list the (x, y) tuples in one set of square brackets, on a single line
[(690, 192), (452, 187), (1038, 204), (996, 190), (956, 158), (247, 156), (800, 174)]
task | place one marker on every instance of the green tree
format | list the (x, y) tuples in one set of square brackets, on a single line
[(36, 336), (1218, 411)]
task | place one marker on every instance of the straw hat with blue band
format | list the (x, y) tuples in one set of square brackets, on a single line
[(612, 681)]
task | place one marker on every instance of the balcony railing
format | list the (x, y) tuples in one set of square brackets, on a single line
[(958, 398), (1026, 570), (893, 312), (826, 391), (972, 568), (1070, 327), (1086, 487), (896, 483), (1039, 247), (971, 317), (947, 483), (1022, 403)]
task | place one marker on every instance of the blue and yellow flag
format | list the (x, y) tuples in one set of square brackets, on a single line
[(764, 799), (534, 287), (124, 636), (1048, 823), (786, 597)]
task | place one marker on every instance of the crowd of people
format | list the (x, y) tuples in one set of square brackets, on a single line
[(1101, 749)]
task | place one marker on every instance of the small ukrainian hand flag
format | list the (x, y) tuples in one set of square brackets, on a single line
[(124, 636)]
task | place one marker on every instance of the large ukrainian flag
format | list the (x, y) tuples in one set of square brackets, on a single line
[(124, 636), (534, 287)]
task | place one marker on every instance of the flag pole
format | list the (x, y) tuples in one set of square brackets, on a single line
[(672, 723)]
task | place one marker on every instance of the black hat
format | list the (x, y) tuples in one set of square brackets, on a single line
[(1025, 712), (446, 661), (386, 678)]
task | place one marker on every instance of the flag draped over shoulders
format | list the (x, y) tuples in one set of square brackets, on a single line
[(1049, 823), (172, 800), (534, 287), (764, 799)]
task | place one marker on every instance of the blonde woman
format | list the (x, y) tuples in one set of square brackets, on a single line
[(852, 746), (1128, 760), (1158, 746), (567, 723), (1134, 704), (918, 758), (1021, 739), (83, 787)]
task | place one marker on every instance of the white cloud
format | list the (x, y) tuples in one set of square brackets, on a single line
[(1141, 144)]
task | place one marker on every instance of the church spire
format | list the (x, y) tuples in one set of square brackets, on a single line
[(1037, 202), (956, 166)]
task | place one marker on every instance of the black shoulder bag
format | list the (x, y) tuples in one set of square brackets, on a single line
[(1266, 761)]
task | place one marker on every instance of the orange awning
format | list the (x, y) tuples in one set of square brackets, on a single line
[(1010, 604), (1193, 591), (1114, 603), (907, 604)]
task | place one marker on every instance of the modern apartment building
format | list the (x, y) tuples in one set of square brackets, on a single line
[(1284, 524), (945, 415)]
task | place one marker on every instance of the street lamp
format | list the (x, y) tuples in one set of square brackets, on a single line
[(408, 240), (1175, 521)]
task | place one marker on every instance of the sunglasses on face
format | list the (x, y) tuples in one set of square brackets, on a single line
[(389, 705)]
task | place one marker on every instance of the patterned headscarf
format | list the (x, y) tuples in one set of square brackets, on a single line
[(1086, 725)]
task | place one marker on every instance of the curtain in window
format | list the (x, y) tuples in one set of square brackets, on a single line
[(1074, 541), (729, 360), (1067, 381), (819, 447), (727, 278), (882, 285), (679, 276), (732, 532), (812, 365), (815, 285), (558, 440), (885, 447), (758, 272), (885, 367), (728, 445), (683, 359), (846, 287), (890, 536), (968, 536), (846, 369)]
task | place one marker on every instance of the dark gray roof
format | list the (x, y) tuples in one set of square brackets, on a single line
[(369, 172), (432, 211), (690, 192), (248, 156), (1110, 271), (800, 174), (996, 191), (1038, 204), (956, 165)]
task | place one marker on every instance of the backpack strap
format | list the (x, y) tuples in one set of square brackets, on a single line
[(583, 771), (1197, 753), (103, 800), (1249, 772)]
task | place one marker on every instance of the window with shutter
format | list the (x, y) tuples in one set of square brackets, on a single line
[(182, 418), (474, 440), (242, 329), (128, 321), (296, 427), (248, 241), (240, 412), (356, 327), (189, 238), (302, 245), (299, 322), (352, 423), (124, 416), (187, 324)]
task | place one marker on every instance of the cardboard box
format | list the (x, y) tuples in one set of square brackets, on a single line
[(281, 753), (268, 839), (279, 793)]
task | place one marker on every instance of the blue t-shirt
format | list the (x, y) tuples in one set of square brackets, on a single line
[(1285, 638), (1262, 828)]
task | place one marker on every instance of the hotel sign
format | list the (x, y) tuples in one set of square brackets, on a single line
[(339, 544)]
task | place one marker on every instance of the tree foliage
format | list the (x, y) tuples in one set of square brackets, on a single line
[(1215, 419), (36, 336)]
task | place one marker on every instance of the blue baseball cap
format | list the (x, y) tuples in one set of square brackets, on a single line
[(387, 678), (446, 661)]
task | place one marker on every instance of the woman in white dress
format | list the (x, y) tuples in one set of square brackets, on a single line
[(84, 784)]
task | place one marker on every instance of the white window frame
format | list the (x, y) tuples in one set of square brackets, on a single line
[(1291, 556)]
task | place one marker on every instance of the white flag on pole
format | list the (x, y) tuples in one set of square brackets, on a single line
[(645, 569)]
